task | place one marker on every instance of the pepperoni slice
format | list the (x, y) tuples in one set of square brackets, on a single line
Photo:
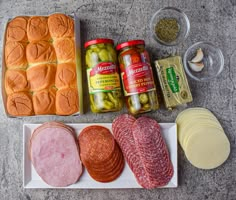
[(100, 153)]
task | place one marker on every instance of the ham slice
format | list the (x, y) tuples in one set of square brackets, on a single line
[(55, 154)]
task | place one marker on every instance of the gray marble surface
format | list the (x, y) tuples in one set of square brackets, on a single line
[(213, 21)]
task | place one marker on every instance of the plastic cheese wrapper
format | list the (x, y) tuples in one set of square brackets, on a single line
[(173, 81)]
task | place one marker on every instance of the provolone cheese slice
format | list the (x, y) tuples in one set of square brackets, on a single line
[(202, 129), (207, 150), (192, 123)]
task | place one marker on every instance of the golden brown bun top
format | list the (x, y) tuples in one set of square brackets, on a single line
[(66, 75), (41, 76), (44, 102), (37, 29), (15, 81), (40, 52), (65, 49), (20, 104), (16, 29), (61, 25), (67, 101), (15, 55)]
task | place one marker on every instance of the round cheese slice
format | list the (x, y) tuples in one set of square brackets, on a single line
[(190, 124), (191, 110), (202, 128), (207, 150), (193, 116), (191, 128)]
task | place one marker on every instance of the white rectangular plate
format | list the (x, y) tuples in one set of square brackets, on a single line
[(126, 180)]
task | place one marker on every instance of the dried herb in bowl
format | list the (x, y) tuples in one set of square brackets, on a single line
[(167, 29)]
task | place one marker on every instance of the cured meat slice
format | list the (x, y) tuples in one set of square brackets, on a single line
[(144, 150), (153, 151), (122, 129), (100, 154), (55, 154), (108, 175), (97, 144)]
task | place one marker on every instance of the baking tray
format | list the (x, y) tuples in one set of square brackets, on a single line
[(126, 180), (78, 66)]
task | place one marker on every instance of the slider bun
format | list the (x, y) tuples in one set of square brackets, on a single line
[(44, 102), (65, 50), (40, 52), (67, 101), (20, 104), (15, 81), (37, 29), (66, 75), (41, 76), (60, 25), (17, 29), (15, 55)]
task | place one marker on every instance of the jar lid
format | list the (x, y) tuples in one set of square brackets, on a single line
[(129, 43), (98, 41)]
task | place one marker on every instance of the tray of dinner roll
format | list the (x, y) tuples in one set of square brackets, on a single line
[(41, 66)]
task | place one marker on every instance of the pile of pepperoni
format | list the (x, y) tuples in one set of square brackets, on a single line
[(144, 150), (100, 153)]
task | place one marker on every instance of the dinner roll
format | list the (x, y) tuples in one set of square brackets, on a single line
[(65, 50), (67, 101), (60, 25), (65, 75), (40, 52), (37, 29), (20, 104), (15, 55), (15, 81), (41, 76), (17, 29), (44, 102)]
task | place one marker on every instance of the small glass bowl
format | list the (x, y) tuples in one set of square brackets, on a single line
[(180, 16), (213, 61)]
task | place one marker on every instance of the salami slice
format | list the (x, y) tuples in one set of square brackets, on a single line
[(144, 150), (122, 129), (153, 151), (55, 155)]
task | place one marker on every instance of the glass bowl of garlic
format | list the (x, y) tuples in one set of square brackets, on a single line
[(203, 61)]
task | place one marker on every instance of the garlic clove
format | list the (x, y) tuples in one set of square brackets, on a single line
[(198, 57), (197, 67)]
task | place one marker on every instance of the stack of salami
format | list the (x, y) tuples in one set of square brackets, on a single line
[(100, 153), (54, 154), (144, 150)]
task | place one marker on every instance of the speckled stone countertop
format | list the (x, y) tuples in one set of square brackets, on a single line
[(213, 21)]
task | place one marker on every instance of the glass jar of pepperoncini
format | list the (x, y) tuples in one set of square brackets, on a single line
[(103, 76), (137, 77)]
